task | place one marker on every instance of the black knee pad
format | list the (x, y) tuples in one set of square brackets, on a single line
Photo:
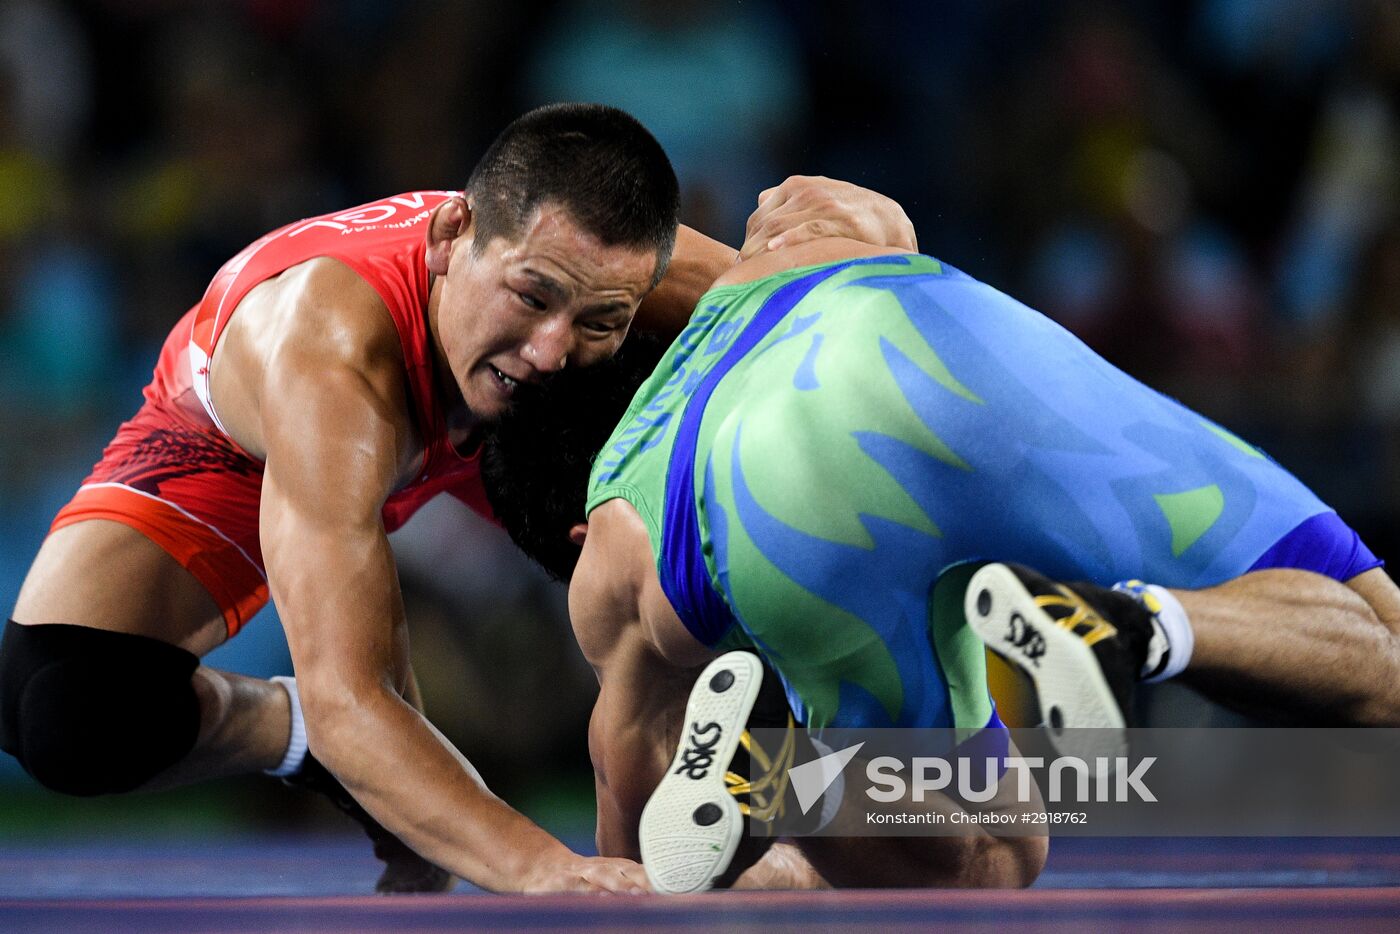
[(90, 712)]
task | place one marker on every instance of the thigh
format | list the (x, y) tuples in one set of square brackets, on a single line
[(160, 539), (831, 574), (821, 484), (107, 575)]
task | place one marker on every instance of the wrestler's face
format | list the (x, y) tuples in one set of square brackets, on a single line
[(511, 313)]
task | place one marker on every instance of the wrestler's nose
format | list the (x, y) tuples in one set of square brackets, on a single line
[(549, 345)]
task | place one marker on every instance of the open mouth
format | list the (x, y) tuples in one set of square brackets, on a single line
[(509, 385)]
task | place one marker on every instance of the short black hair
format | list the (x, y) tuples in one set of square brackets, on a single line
[(536, 459), (597, 162)]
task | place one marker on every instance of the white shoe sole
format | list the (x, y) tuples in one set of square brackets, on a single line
[(692, 825), (1080, 712)]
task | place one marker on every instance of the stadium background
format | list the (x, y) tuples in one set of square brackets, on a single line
[(1208, 192)]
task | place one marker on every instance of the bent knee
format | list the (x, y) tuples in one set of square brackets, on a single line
[(1376, 700), (1381, 709), (1381, 595), (1000, 862), (985, 862), (89, 712), (1024, 859)]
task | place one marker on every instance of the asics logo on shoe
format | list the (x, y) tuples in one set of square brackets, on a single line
[(698, 756), (1026, 638)]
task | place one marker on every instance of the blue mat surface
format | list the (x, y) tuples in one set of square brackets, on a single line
[(312, 884), (319, 866)]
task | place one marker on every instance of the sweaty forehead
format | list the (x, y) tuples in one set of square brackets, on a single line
[(558, 253)]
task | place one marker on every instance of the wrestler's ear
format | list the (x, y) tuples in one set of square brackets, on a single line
[(578, 533), (448, 227)]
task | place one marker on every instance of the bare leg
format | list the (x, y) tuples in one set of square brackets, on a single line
[(1299, 647), (108, 576), (244, 726), (974, 859), (105, 575), (922, 862)]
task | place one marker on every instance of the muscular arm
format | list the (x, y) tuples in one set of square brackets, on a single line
[(644, 678), (630, 739), (635, 727), (801, 209), (335, 430), (696, 263), (641, 696)]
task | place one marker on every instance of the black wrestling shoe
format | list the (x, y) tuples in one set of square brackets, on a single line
[(1082, 646), (712, 816), (404, 870)]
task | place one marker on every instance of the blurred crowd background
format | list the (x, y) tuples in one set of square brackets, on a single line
[(1207, 191)]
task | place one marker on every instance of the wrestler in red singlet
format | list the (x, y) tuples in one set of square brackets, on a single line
[(173, 473)]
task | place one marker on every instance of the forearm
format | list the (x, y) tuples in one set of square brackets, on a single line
[(629, 762), (349, 649), (800, 209), (617, 823), (438, 805), (630, 745), (696, 263)]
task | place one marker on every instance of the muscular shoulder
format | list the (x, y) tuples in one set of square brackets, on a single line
[(605, 590), (810, 253), (615, 598), (328, 312), (316, 323)]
